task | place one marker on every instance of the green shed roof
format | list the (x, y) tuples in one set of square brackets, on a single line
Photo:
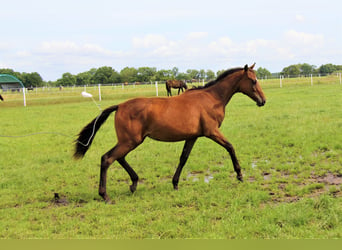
[(6, 79)]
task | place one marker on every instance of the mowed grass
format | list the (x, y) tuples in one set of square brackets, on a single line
[(290, 152)]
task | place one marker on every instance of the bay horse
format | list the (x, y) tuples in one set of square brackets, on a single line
[(163, 119), (176, 84)]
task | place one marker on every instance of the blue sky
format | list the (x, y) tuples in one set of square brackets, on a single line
[(54, 37)]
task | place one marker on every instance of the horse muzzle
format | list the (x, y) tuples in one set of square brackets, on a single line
[(261, 103)]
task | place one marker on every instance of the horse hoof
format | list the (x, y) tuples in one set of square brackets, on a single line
[(239, 177), (133, 188)]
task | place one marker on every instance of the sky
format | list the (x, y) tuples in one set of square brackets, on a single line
[(55, 37)]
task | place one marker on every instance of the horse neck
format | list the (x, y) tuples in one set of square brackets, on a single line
[(226, 88)]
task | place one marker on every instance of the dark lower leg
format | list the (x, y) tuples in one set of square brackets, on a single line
[(103, 182), (131, 172), (220, 139), (235, 161), (184, 157)]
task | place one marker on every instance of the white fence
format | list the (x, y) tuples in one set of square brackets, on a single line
[(76, 90)]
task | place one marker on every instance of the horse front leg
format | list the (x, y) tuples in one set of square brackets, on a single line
[(221, 140), (184, 157)]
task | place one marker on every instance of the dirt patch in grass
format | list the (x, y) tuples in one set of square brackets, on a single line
[(60, 200), (329, 179), (295, 188)]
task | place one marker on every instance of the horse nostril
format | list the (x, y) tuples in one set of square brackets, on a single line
[(262, 103)]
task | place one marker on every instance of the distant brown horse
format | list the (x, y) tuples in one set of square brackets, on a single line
[(164, 119), (176, 84)]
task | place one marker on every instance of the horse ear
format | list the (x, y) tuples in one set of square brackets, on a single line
[(246, 67), (251, 67)]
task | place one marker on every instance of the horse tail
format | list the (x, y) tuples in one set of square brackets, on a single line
[(88, 133)]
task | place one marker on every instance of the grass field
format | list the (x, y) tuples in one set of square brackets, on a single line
[(290, 152)]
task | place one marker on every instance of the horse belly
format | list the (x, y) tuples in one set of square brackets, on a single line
[(174, 129)]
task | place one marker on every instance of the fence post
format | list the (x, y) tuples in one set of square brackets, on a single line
[(100, 92), (311, 80), (24, 96), (340, 78), (281, 84), (157, 88)]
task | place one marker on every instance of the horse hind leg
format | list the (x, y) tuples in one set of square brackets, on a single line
[(117, 153), (131, 172)]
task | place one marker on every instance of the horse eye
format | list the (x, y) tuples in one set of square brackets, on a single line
[(254, 81)]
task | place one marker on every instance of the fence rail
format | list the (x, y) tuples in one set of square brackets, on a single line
[(148, 88)]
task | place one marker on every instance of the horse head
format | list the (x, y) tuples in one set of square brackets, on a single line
[(250, 86)]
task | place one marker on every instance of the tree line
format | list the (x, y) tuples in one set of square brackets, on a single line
[(301, 69), (108, 75)]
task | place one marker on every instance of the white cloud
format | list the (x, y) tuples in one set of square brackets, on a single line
[(72, 48), (23, 54), (197, 35), (192, 50), (296, 38), (149, 41), (254, 46), (300, 18), (223, 44)]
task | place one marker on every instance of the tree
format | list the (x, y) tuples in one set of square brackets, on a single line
[(338, 68), (291, 70), (202, 74), (32, 79), (307, 69), (175, 72), (11, 72), (102, 75), (7, 71), (129, 74), (83, 78), (67, 80), (145, 74), (263, 73), (115, 77), (210, 75), (193, 73), (183, 76), (163, 75), (327, 68)]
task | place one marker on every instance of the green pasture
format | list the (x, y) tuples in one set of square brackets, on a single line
[(290, 152)]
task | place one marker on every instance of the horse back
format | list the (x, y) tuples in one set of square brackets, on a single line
[(165, 119)]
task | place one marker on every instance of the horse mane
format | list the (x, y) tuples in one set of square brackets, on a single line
[(218, 79)]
